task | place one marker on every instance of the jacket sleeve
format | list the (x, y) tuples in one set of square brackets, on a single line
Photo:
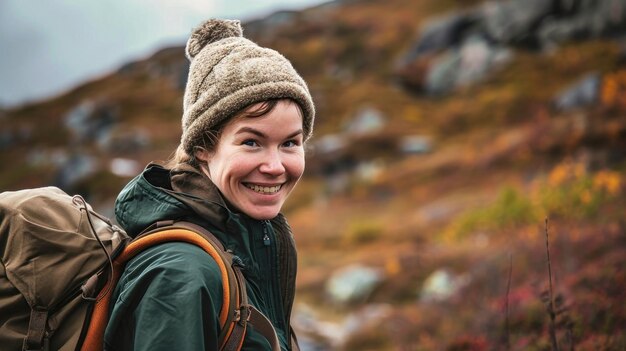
[(168, 298)]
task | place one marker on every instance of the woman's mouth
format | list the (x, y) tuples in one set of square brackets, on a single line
[(263, 189)]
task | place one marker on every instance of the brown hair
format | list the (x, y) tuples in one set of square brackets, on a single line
[(212, 136)]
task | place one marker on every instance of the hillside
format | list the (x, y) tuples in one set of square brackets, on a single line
[(447, 133)]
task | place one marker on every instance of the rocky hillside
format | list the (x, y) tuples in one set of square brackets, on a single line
[(454, 140)]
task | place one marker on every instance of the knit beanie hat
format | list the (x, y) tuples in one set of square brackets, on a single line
[(229, 73)]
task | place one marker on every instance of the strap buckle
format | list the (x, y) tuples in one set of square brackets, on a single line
[(242, 315)]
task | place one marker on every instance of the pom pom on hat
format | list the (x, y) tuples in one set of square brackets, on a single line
[(210, 32)]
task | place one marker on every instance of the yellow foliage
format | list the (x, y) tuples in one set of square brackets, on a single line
[(392, 266), (586, 197), (568, 191), (364, 230), (608, 181), (558, 175), (412, 113), (566, 172), (614, 89)]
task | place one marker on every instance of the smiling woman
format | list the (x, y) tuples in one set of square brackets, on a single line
[(247, 115)]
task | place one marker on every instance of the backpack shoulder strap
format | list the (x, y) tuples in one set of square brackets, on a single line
[(241, 312), (235, 312)]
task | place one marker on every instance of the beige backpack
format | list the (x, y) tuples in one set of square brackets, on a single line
[(60, 262)]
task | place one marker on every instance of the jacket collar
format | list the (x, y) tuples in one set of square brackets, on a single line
[(193, 188)]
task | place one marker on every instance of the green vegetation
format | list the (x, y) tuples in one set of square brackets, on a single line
[(511, 209), (363, 231), (567, 193)]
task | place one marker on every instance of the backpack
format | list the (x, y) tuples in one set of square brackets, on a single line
[(60, 262)]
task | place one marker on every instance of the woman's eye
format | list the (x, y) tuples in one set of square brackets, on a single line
[(249, 142), (290, 143)]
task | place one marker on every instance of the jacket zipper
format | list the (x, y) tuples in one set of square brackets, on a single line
[(266, 237), (272, 264)]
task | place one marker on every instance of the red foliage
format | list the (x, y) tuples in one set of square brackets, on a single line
[(468, 343)]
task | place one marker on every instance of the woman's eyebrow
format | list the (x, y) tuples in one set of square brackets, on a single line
[(251, 130), (294, 134), (262, 135)]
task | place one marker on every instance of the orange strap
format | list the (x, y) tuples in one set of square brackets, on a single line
[(94, 339)]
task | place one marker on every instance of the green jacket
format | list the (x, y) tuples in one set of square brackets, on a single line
[(169, 296)]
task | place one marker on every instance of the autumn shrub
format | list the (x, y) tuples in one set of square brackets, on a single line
[(469, 343), (363, 231), (510, 209), (571, 192), (568, 191), (613, 89)]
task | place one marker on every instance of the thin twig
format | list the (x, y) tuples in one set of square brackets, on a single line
[(570, 336), (555, 345), (507, 343)]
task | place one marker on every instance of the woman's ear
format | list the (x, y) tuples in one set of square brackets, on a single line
[(202, 155)]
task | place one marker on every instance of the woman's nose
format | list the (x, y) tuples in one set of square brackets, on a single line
[(272, 163)]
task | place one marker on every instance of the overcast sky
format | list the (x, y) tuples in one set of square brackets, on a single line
[(49, 46)]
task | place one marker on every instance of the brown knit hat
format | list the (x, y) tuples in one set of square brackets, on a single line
[(229, 73)]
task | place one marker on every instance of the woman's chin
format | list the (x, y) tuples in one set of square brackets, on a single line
[(262, 212), (264, 215)]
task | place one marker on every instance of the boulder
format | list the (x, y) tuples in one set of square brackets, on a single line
[(415, 144), (353, 283), (369, 315), (587, 19), (514, 21), (324, 335), (440, 34), (317, 333), (463, 66), (329, 144), (45, 157), (441, 285), (442, 73), (124, 167), (478, 59), (582, 93), (75, 168), (463, 47), (124, 141), (367, 120), (90, 121), (7, 139)]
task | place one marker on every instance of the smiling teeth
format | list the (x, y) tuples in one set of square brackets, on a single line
[(264, 189)]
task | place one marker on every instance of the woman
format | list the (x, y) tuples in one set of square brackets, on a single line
[(247, 115)]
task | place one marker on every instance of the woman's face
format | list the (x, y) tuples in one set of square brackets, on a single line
[(258, 160)]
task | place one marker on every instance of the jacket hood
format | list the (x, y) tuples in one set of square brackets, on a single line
[(158, 193)]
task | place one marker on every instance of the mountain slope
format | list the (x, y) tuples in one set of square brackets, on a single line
[(447, 131)]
